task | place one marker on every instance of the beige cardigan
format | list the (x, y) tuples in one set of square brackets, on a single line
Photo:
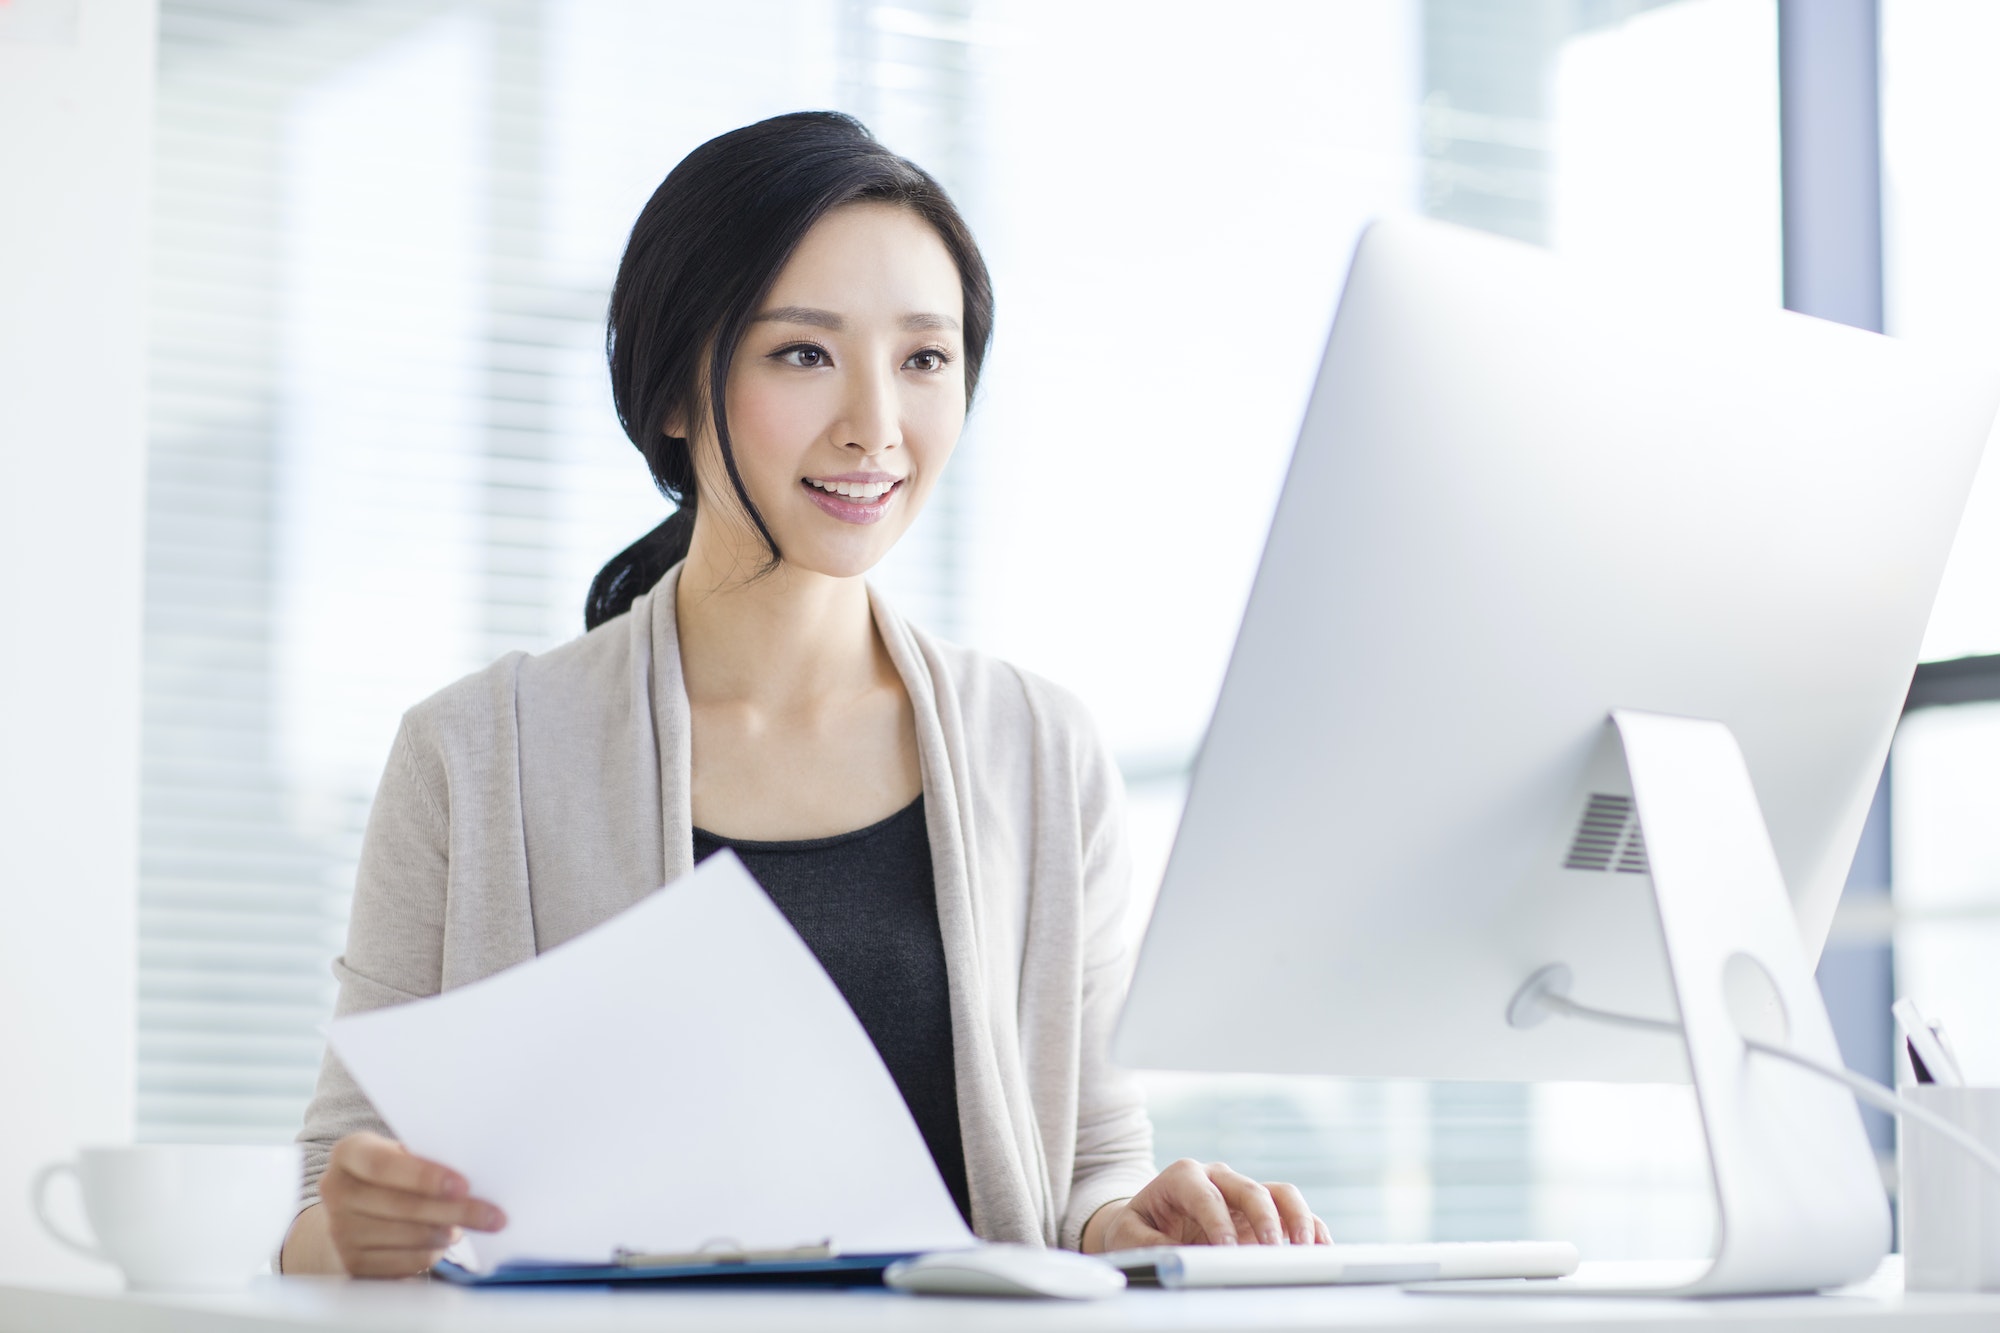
[(533, 800)]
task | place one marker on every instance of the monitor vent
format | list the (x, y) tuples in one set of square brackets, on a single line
[(1632, 856), (1608, 838)]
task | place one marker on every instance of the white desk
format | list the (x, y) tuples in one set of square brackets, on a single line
[(296, 1304)]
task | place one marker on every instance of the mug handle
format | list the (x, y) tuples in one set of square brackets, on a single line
[(39, 1192)]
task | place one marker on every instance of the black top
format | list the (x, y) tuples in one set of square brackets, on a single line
[(866, 905)]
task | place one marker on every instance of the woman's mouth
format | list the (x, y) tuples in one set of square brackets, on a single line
[(853, 499)]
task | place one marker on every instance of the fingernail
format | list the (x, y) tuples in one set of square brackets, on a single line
[(455, 1187), (492, 1218)]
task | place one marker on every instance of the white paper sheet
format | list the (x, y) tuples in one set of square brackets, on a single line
[(682, 1076)]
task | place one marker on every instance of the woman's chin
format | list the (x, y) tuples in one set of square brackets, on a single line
[(835, 560)]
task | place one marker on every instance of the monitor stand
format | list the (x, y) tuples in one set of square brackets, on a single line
[(1799, 1200)]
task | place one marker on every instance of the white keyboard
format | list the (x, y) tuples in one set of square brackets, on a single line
[(1321, 1265)]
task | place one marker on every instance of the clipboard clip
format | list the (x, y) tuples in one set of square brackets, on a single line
[(722, 1251)]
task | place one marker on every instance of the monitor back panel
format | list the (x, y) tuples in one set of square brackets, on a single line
[(1523, 497)]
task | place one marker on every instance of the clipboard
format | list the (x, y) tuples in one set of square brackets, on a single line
[(810, 1265)]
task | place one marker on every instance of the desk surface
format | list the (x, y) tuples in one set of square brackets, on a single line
[(295, 1304)]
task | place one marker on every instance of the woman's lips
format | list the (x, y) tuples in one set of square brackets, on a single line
[(850, 510)]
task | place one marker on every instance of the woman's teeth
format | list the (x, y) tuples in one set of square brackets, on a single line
[(854, 490)]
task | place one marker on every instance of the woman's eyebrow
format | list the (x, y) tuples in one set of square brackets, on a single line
[(802, 314), (833, 323)]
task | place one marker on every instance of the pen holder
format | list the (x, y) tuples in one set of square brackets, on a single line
[(1950, 1204)]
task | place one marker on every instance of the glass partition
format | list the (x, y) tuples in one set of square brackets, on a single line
[(1941, 272)]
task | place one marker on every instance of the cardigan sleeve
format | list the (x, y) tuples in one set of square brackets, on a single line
[(395, 940), (1114, 1136)]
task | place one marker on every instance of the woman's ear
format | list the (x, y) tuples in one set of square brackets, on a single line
[(676, 426)]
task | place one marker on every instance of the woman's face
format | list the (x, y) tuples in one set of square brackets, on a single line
[(847, 393)]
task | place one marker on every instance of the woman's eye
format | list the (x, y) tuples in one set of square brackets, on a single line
[(929, 359), (806, 358)]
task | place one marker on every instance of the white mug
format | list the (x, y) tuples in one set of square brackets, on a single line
[(1950, 1204), (180, 1217)]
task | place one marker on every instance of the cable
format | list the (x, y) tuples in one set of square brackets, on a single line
[(1882, 1099), (1562, 1004), (1864, 1088)]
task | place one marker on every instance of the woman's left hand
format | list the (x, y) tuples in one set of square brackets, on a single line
[(1192, 1204)]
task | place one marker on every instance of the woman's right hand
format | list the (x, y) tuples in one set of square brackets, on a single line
[(389, 1213)]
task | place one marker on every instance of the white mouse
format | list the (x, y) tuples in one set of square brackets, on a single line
[(1007, 1270)]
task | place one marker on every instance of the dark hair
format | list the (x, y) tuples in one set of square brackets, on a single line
[(703, 255)]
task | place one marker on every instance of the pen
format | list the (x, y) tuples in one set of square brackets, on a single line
[(1918, 1069), (1950, 1055), (1927, 1057)]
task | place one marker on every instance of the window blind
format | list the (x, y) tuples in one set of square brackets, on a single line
[(382, 450)]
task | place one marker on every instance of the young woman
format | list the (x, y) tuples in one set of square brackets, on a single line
[(795, 334)]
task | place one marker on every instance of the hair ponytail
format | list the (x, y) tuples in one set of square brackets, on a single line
[(634, 570), (703, 254)]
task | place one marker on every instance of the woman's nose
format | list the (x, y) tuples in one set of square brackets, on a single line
[(872, 421)]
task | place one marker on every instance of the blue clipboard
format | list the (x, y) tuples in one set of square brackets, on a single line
[(842, 1270)]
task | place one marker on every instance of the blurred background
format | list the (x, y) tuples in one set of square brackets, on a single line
[(381, 449)]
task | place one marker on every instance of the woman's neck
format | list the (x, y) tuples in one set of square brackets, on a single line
[(789, 639)]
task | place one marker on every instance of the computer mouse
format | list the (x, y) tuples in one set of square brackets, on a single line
[(1007, 1270)]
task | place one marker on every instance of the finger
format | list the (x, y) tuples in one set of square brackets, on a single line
[(1293, 1215), (382, 1233), (1321, 1236), (385, 1162), (390, 1263), (1192, 1193), (398, 1206), (1134, 1232), (1261, 1223)]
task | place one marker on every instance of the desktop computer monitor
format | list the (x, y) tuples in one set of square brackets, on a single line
[(1573, 657), (1525, 496)]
